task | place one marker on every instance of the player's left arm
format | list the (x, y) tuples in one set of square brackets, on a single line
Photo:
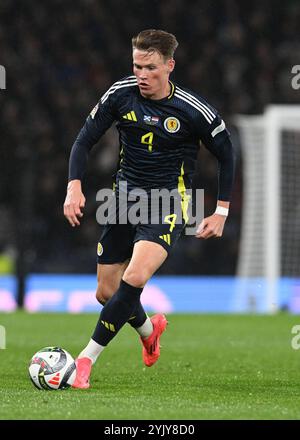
[(217, 140)]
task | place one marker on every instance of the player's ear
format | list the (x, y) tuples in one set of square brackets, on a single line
[(171, 65)]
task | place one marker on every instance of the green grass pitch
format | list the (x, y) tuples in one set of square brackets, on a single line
[(211, 367)]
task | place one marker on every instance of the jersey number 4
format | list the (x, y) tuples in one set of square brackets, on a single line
[(148, 140)]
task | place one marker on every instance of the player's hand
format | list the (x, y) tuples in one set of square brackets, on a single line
[(211, 227), (74, 203)]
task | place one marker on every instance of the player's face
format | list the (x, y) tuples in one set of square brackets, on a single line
[(152, 73)]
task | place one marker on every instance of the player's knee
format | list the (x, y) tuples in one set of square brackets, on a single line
[(100, 298), (103, 293), (136, 278)]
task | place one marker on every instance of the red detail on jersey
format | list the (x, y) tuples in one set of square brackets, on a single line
[(55, 379)]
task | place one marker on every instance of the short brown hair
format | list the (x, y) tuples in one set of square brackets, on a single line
[(152, 40)]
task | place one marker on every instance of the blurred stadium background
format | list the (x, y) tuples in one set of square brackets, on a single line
[(60, 57)]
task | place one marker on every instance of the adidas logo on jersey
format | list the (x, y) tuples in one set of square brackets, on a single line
[(130, 116)]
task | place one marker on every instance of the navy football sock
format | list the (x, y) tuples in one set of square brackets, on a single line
[(138, 317), (116, 312)]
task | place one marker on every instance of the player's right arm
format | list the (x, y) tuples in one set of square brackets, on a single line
[(74, 202), (100, 119)]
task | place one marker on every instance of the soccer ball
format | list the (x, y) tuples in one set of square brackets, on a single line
[(52, 368)]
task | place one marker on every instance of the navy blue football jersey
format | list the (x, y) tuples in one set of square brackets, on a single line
[(159, 139)]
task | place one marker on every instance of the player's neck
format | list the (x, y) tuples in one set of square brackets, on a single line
[(164, 92)]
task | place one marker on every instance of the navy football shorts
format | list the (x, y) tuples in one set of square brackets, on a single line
[(117, 240)]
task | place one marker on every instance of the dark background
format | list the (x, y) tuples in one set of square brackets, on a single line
[(61, 56)]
